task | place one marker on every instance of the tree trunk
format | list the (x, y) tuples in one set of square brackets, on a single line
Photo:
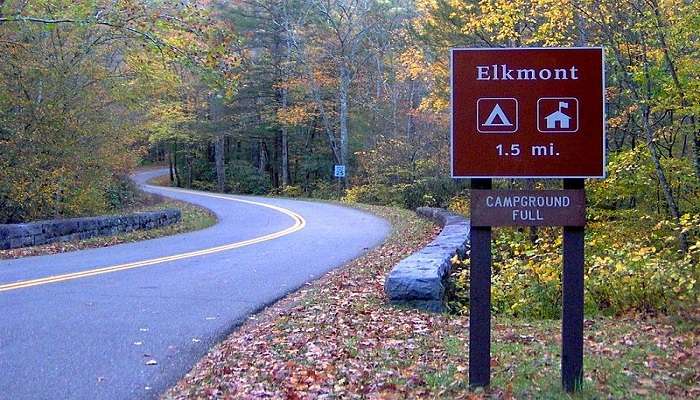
[(671, 202), (188, 161), (219, 161), (171, 162), (649, 133), (262, 157), (285, 144), (216, 110), (670, 62), (343, 122), (412, 105), (177, 173), (284, 94)]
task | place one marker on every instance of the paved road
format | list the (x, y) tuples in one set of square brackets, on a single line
[(89, 335)]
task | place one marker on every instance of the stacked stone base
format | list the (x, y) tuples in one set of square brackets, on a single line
[(14, 236), (418, 280)]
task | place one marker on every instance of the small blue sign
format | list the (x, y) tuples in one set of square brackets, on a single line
[(339, 171)]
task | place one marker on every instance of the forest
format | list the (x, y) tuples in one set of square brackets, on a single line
[(264, 97)]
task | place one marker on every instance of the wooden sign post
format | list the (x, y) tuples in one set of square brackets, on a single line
[(527, 113)]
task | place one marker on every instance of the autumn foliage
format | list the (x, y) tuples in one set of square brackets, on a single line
[(266, 96), (83, 83)]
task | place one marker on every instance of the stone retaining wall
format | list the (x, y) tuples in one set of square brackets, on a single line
[(418, 280), (60, 230)]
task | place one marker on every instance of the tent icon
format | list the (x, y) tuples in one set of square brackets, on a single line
[(497, 115), (558, 117)]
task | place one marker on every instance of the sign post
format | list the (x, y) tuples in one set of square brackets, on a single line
[(572, 302), (480, 299), (527, 113), (339, 172)]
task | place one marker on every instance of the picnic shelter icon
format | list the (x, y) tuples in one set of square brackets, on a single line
[(497, 115), (557, 115)]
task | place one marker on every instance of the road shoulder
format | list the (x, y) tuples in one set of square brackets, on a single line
[(318, 307)]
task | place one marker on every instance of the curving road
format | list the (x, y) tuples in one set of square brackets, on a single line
[(87, 324)]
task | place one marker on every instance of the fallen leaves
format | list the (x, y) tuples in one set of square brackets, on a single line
[(338, 338)]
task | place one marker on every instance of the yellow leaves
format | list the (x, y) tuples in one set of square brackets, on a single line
[(323, 78), (448, 23), (151, 76), (179, 40), (170, 112), (459, 205), (295, 115), (619, 267), (413, 65), (616, 122), (646, 250), (502, 20), (434, 102), (230, 89), (556, 22), (166, 120), (507, 22)]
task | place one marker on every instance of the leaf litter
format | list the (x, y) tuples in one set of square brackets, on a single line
[(339, 338)]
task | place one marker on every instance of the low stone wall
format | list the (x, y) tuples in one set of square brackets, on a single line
[(418, 280), (61, 230)]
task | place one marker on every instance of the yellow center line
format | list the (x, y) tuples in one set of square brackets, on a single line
[(299, 224)]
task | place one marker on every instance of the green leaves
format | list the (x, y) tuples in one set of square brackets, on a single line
[(84, 86)]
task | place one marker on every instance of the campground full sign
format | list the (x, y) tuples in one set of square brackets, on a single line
[(528, 113)]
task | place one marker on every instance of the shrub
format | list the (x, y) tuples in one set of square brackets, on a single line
[(400, 161), (632, 183), (632, 259), (459, 204), (291, 191), (204, 185), (202, 170), (430, 192), (325, 190), (34, 194), (623, 270), (242, 177), (84, 200), (121, 192), (375, 193)]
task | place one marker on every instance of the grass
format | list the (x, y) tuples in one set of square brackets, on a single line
[(339, 338), (163, 180)]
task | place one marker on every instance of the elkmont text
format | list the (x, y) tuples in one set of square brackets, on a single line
[(501, 72)]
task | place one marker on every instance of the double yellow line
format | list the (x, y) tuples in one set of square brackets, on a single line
[(299, 224)]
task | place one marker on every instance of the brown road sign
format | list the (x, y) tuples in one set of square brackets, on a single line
[(528, 208), (528, 113)]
